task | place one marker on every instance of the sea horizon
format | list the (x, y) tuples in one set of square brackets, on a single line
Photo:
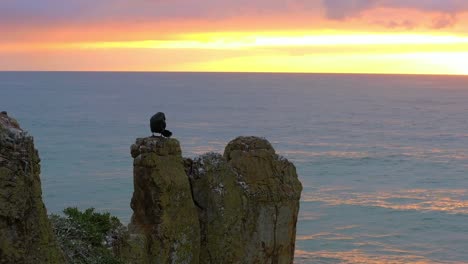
[(237, 72)]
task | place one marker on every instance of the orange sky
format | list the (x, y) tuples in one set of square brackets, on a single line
[(374, 36)]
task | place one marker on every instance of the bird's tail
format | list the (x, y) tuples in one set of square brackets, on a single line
[(166, 133)]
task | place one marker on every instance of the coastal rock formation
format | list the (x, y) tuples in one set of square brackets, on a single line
[(220, 200), (238, 208), (270, 209), (25, 232), (163, 210)]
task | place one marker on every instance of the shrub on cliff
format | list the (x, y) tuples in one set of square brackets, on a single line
[(87, 236)]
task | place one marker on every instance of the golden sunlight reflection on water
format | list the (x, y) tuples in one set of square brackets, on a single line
[(446, 200), (359, 257)]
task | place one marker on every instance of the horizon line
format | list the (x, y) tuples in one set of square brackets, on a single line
[(228, 72)]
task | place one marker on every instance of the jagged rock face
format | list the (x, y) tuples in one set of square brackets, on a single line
[(164, 211), (272, 188), (242, 208), (220, 200), (25, 232)]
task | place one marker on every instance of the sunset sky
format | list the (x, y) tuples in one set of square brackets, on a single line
[(337, 36)]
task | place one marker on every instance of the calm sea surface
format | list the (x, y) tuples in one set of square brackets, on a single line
[(383, 159)]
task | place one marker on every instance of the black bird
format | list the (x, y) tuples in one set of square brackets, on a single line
[(158, 125)]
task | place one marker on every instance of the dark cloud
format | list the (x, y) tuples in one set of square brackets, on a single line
[(338, 9), (443, 6)]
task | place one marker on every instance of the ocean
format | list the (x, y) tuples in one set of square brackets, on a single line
[(383, 158)]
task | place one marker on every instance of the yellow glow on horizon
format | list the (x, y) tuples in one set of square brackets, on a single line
[(411, 63), (237, 41), (321, 52)]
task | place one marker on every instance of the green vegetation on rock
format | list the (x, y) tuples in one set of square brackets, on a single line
[(87, 237)]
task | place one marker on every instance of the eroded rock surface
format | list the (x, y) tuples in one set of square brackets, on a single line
[(164, 211), (248, 203), (240, 207), (25, 232), (220, 200), (273, 191)]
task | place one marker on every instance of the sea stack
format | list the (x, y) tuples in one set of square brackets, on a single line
[(25, 232), (238, 208), (163, 209), (272, 189)]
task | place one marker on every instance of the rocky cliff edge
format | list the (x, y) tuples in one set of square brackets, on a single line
[(25, 233), (240, 207)]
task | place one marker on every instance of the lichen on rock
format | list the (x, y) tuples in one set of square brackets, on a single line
[(163, 209), (248, 202), (219, 198), (25, 232), (238, 208), (273, 191)]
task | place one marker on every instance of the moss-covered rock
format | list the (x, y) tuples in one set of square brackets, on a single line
[(248, 202), (272, 188), (25, 232), (132, 248), (220, 200), (242, 208), (163, 209)]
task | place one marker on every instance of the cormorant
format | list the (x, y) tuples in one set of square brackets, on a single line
[(158, 125)]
